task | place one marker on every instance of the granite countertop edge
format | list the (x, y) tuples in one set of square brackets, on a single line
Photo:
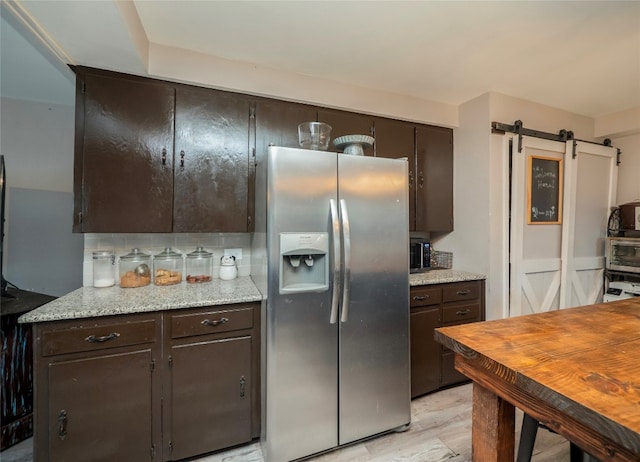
[(89, 302), (443, 276)]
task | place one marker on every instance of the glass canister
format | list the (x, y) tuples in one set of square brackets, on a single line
[(167, 268), (103, 268), (199, 264), (135, 269)]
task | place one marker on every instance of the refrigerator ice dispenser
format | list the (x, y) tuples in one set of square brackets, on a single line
[(304, 265)]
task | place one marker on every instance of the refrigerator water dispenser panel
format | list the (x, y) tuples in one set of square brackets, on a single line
[(304, 262)]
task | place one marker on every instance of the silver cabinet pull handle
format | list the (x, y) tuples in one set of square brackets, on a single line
[(215, 322), (420, 297), (463, 292), (164, 156), (104, 338), (463, 312)]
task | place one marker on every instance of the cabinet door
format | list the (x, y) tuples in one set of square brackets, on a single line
[(100, 408), (277, 123), (425, 351), (434, 180), (124, 154), (395, 138), (211, 161), (211, 386), (347, 123)]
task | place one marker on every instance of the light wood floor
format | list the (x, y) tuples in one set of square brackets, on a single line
[(440, 431)]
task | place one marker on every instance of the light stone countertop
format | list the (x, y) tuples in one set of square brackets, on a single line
[(89, 302), (441, 276)]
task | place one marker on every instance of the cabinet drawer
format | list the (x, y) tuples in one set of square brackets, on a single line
[(98, 337), (459, 292), (461, 313), (424, 296), (211, 322)]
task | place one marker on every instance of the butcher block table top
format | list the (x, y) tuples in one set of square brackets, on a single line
[(576, 370)]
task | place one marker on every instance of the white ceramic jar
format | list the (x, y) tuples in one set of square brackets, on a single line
[(228, 268)]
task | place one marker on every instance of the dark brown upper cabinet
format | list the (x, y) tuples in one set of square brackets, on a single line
[(123, 171), (153, 156), (429, 151), (277, 123), (396, 139), (157, 156), (434, 180), (211, 166), (347, 123)]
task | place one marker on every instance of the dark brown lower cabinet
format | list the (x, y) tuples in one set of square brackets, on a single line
[(425, 351), (97, 389), (462, 302), (437, 305), (157, 387), (100, 408), (210, 409), (210, 388)]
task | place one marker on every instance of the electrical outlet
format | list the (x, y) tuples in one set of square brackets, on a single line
[(233, 252)]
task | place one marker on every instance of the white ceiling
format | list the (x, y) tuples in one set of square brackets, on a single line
[(580, 56)]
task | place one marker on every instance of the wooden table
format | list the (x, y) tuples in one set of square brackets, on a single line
[(575, 370)]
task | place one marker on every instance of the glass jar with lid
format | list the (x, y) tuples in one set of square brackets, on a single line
[(103, 268), (167, 268), (135, 269), (199, 266)]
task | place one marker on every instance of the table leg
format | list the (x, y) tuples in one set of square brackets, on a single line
[(493, 427)]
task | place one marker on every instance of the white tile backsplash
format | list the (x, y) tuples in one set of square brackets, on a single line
[(154, 243)]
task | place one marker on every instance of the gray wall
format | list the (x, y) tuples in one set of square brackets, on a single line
[(41, 253)]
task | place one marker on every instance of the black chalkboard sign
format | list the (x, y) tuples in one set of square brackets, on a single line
[(545, 190)]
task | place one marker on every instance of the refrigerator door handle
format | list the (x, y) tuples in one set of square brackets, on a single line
[(335, 226), (346, 283)]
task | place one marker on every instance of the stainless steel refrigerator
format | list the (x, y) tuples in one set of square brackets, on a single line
[(330, 255)]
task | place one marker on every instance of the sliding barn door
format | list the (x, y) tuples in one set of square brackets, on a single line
[(560, 204), (593, 177), (535, 248)]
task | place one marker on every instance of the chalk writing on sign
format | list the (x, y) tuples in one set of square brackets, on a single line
[(545, 190)]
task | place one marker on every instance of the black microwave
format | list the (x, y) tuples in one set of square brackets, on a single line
[(419, 255)]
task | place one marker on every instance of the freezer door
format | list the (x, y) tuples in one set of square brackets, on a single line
[(300, 343), (374, 374)]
